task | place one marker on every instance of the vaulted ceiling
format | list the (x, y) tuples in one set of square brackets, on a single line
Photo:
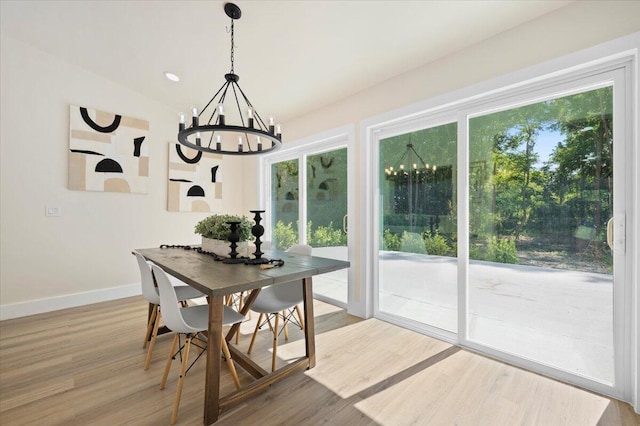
[(292, 56)]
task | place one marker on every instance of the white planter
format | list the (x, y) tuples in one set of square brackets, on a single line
[(223, 247)]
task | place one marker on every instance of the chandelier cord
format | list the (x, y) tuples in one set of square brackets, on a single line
[(232, 45)]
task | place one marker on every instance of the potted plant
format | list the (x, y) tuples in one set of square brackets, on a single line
[(215, 230)]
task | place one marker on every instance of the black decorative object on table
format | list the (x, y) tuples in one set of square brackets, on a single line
[(257, 230), (233, 238)]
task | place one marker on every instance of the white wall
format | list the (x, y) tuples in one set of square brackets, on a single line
[(84, 255)]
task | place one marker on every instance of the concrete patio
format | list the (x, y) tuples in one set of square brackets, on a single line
[(557, 317)]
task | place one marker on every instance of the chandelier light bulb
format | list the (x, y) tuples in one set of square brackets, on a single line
[(181, 123), (221, 114), (240, 144), (198, 140), (194, 116), (259, 143), (218, 143)]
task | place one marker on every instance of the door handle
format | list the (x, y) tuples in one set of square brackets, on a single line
[(344, 223), (610, 233)]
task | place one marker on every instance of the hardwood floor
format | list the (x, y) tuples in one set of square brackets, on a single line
[(84, 366)]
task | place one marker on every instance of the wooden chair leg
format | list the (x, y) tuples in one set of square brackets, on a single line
[(285, 326), (232, 368), (152, 318), (299, 312), (152, 343), (240, 303), (255, 332), (183, 369), (275, 344), (167, 367)]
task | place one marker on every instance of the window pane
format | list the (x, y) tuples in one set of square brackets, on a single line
[(284, 204), (540, 196), (418, 242), (327, 218)]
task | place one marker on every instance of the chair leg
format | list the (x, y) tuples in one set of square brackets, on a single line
[(299, 312), (152, 343), (167, 367), (240, 303), (227, 355), (255, 332), (183, 369), (286, 328), (152, 318), (275, 343)]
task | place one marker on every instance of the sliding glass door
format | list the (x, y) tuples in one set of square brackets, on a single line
[(327, 216), (541, 273), (417, 257), (310, 204), (504, 228)]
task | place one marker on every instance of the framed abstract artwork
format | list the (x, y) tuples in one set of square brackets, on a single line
[(107, 152), (195, 180)]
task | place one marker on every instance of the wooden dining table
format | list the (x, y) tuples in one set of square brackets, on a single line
[(216, 280)]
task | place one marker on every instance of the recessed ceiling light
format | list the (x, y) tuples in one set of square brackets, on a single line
[(171, 76)]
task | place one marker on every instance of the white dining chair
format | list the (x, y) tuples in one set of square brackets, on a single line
[(190, 321), (150, 293), (280, 302)]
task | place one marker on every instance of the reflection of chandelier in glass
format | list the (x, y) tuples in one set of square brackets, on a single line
[(410, 171), (415, 169)]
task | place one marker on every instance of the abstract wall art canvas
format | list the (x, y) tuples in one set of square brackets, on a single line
[(107, 152), (195, 180)]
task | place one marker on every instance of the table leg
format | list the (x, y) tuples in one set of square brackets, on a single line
[(309, 329), (212, 380)]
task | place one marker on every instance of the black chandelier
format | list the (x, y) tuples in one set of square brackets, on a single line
[(254, 137)]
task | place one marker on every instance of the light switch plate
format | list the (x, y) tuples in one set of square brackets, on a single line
[(53, 211)]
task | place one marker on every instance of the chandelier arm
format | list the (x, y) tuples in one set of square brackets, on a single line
[(418, 155), (401, 158), (235, 94), (255, 113), (211, 100), (210, 140)]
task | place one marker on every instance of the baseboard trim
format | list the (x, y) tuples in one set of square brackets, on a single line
[(39, 306)]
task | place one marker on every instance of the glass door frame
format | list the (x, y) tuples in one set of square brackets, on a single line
[(405, 127), (573, 85), (558, 77), (343, 137)]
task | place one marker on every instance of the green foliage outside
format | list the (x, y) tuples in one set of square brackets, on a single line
[(284, 236), (216, 227), (325, 236), (502, 250), (412, 243), (391, 241), (322, 236), (436, 244)]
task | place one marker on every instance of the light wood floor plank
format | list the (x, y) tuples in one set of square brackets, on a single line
[(85, 366)]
